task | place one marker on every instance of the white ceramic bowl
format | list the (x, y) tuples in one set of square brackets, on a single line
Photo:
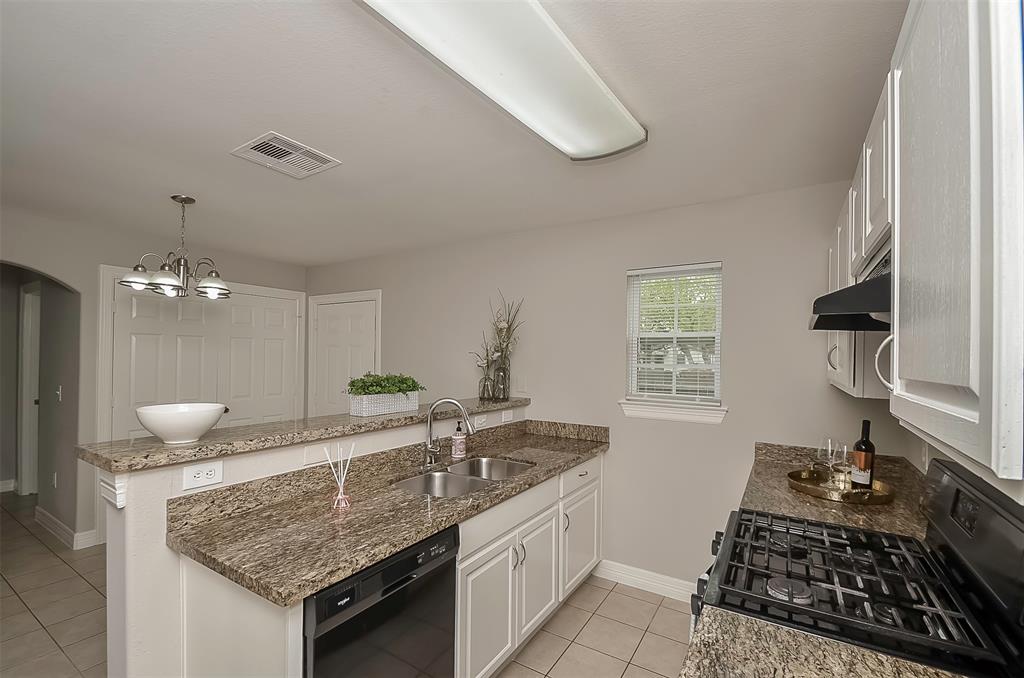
[(179, 422)]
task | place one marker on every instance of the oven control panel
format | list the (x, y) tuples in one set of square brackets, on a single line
[(965, 511)]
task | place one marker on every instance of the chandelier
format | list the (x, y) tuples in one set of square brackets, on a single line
[(175, 275)]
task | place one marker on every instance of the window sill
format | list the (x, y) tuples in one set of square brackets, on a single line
[(698, 414)]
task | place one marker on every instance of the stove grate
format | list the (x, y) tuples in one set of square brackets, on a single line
[(881, 584)]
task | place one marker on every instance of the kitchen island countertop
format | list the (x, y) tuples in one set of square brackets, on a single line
[(280, 538)]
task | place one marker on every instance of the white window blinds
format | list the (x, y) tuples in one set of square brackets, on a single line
[(674, 333)]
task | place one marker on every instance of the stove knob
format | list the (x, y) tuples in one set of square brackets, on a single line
[(716, 543)]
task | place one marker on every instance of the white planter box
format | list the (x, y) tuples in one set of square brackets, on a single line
[(383, 403)]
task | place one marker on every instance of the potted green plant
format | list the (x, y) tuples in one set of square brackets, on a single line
[(373, 394)]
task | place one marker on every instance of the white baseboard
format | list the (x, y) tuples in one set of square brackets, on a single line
[(67, 536), (645, 579), (8, 485), (86, 539)]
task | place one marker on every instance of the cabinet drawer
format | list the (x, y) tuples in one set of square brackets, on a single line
[(482, 528), (578, 476)]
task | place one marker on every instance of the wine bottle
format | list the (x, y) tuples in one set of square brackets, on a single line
[(863, 471)]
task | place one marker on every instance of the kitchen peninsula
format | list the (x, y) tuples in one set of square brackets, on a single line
[(147, 580)]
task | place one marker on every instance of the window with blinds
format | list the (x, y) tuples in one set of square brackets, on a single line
[(674, 334)]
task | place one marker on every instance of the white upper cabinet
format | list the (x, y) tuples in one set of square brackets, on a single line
[(876, 224), (958, 231), (857, 258), (840, 350)]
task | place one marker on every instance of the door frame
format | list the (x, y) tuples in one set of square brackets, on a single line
[(28, 315), (317, 300)]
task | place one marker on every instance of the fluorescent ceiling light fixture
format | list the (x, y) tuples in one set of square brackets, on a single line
[(515, 54)]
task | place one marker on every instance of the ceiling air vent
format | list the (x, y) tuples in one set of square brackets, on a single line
[(285, 155)]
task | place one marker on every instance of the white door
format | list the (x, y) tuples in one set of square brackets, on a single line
[(538, 571), (958, 240), (242, 351), (487, 628), (345, 340), (258, 369), (28, 390), (581, 541)]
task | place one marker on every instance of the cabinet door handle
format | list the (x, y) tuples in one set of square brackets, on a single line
[(516, 552), (878, 372), (585, 473), (523, 546), (566, 528), (828, 357)]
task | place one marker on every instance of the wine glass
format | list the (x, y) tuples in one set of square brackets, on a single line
[(842, 466), (824, 457)]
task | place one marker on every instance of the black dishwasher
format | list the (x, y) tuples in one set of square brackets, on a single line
[(391, 620)]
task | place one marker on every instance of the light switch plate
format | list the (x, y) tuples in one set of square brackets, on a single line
[(479, 420), (201, 475), (506, 416)]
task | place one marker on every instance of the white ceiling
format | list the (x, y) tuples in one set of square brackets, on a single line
[(109, 107)]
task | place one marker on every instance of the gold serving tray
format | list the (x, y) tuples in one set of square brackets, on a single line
[(812, 481)]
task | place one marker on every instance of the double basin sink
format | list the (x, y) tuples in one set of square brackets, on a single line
[(464, 477)]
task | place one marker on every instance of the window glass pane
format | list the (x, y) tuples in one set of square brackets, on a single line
[(656, 351), (674, 327), (654, 381), (657, 318), (692, 351)]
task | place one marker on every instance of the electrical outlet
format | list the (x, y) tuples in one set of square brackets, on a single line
[(201, 475), (506, 416), (479, 420)]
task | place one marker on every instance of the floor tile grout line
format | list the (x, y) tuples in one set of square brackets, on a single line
[(40, 621)]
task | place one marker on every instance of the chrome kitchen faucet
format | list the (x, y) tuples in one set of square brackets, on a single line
[(433, 446)]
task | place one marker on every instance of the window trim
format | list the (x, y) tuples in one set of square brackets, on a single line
[(668, 407), (674, 411)]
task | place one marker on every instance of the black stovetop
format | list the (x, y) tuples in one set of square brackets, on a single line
[(922, 601)]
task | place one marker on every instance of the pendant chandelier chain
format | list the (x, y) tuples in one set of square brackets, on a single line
[(183, 226)]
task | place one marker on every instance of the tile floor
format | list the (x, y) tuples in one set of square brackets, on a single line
[(53, 610), (608, 630)]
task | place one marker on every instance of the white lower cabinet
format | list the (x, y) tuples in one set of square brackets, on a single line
[(581, 536), (537, 572), (487, 611), (545, 546)]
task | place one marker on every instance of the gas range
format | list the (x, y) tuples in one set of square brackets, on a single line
[(954, 600)]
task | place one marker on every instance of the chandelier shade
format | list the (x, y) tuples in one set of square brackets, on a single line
[(138, 278), (176, 275)]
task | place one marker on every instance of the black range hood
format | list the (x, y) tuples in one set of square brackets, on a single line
[(866, 306)]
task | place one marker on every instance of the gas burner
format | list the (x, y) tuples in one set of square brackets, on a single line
[(785, 540), (784, 588), (884, 614)]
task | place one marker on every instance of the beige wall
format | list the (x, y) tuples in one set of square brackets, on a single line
[(72, 252), (10, 286), (669, 485), (69, 500)]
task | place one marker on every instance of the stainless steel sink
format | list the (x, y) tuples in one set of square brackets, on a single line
[(442, 484), (490, 468)]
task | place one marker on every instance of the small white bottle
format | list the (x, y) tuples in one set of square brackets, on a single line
[(459, 442)]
